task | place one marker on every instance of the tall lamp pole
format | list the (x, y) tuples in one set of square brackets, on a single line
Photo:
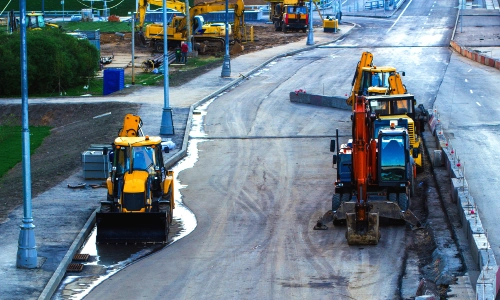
[(226, 64), (26, 251), (167, 124), (188, 24), (310, 36)]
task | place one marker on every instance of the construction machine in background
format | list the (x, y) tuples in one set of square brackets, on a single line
[(289, 15), (205, 42), (375, 173), (140, 199), (34, 21)]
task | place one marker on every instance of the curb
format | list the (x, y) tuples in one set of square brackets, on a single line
[(488, 282), (60, 272)]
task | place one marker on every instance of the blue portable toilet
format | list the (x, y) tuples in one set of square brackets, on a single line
[(113, 80)]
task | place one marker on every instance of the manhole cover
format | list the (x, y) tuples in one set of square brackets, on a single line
[(74, 267), (81, 257)]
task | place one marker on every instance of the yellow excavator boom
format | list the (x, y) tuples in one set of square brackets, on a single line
[(366, 61)]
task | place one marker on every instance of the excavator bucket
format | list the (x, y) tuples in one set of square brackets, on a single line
[(122, 228), (236, 48), (362, 233)]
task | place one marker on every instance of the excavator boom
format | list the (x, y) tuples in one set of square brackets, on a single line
[(366, 61)]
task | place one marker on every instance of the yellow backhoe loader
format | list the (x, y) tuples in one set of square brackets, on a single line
[(140, 199), (370, 80)]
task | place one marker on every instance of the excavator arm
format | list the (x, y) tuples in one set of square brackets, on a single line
[(143, 5), (362, 226), (366, 61), (219, 5)]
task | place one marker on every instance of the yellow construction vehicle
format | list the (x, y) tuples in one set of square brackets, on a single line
[(37, 21), (289, 15), (140, 199), (34, 21), (370, 80), (208, 42)]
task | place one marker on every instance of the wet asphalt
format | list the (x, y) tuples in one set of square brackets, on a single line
[(63, 217)]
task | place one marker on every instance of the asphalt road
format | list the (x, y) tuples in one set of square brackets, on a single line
[(263, 177)]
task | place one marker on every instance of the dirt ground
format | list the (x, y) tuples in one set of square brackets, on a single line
[(74, 129), (264, 37)]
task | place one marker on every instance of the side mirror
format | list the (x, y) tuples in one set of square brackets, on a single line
[(403, 73), (166, 149), (334, 159), (415, 152), (332, 145)]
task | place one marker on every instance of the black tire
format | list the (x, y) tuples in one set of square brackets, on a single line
[(403, 202), (393, 197), (336, 198), (166, 208), (304, 30), (167, 224), (159, 46), (346, 197), (105, 208), (412, 186), (283, 27), (277, 26)]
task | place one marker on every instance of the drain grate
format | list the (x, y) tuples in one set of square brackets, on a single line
[(81, 257), (74, 267)]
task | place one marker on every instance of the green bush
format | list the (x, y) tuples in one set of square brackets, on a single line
[(56, 61)]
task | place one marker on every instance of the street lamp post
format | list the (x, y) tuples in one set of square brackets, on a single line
[(310, 36), (62, 3), (26, 251), (188, 25), (133, 48), (167, 124), (226, 64)]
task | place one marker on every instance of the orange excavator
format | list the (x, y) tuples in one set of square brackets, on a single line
[(375, 171)]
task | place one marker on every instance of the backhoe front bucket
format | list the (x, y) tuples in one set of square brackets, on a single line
[(122, 228), (362, 233)]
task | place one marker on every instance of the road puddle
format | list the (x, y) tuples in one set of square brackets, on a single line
[(106, 260)]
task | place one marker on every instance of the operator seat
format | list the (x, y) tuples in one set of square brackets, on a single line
[(139, 161)]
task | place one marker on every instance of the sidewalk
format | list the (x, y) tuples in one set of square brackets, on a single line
[(64, 216)]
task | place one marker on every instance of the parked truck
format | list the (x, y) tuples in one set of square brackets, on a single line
[(289, 15)]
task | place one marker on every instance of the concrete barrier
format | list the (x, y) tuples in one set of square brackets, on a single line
[(319, 100), (475, 56)]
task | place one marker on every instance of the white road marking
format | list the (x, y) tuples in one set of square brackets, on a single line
[(471, 92), (399, 16), (478, 103)]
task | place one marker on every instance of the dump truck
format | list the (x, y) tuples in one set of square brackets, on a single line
[(289, 15), (140, 199), (375, 171)]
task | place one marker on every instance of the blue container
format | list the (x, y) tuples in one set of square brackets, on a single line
[(113, 80)]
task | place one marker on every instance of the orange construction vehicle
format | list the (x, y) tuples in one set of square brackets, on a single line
[(375, 172)]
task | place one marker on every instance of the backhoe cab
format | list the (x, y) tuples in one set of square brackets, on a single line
[(36, 21)]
